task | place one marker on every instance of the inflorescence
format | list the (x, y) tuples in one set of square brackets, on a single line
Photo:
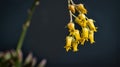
[(78, 16)]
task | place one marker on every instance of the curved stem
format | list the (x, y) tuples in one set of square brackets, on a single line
[(70, 11), (71, 19), (73, 15), (68, 2)]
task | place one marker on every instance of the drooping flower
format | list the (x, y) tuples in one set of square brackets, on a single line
[(75, 46), (82, 22), (78, 21), (77, 35), (82, 17), (68, 43), (85, 33), (91, 25), (91, 37), (82, 41), (81, 8)]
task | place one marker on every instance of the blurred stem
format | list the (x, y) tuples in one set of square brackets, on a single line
[(72, 2), (70, 11), (26, 25), (24, 30)]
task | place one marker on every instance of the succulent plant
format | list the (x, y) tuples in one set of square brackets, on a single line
[(15, 59)]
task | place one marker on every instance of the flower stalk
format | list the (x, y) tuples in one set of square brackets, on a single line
[(26, 25)]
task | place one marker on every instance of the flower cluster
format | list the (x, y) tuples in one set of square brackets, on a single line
[(76, 37)]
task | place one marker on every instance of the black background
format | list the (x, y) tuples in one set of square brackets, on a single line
[(46, 35)]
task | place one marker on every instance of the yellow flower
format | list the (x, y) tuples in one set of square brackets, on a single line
[(81, 8), (71, 32), (71, 26), (68, 43), (91, 37), (81, 22), (78, 21), (91, 25), (75, 46), (85, 33), (77, 35), (84, 23), (71, 8), (81, 16), (82, 41)]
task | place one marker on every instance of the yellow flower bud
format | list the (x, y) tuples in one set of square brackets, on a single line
[(71, 26), (71, 8), (91, 25), (68, 43), (85, 33), (91, 37), (81, 8), (75, 46)]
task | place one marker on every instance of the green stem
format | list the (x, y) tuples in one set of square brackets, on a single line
[(26, 25), (24, 30)]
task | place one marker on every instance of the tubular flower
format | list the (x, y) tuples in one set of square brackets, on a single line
[(82, 41), (81, 8), (82, 17), (71, 8), (91, 25), (81, 22), (84, 23), (68, 43), (75, 46), (78, 21), (91, 37), (77, 35), (85, 33)]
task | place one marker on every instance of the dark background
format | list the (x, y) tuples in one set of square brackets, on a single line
[(46, 35)]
